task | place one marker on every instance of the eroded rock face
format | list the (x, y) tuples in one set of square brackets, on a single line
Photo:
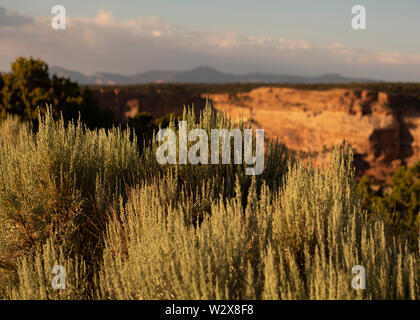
[(383, 129)]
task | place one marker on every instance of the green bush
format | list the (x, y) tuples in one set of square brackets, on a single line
[(28, 87), (398, 202)]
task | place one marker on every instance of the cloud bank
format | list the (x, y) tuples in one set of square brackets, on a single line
[(14, 19), (103, 43)]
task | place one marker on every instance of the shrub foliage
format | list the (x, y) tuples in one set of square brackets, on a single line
[(126, 227)]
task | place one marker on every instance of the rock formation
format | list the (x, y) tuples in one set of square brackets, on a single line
[(383, 128)]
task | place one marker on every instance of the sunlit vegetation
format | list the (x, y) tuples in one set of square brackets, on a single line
[(126, 227)]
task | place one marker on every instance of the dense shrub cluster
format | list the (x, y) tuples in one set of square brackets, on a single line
[(59, 182), (126, 227)]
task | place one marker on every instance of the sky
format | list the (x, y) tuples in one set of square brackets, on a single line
[(299, 37)]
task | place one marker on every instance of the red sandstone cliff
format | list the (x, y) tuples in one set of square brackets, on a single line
[(384, 129)]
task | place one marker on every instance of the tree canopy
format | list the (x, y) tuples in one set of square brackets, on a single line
[(398, 202), (29, 87)]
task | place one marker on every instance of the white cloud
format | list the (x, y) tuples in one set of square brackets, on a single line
[(352, 55), (390, 57), (104, 43)]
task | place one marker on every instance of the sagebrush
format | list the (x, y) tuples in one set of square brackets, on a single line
[(126, 227)]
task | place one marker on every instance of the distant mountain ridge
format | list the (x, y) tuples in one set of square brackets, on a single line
[(198, 75)]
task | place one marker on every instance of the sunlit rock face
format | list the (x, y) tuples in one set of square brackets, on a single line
[(384, 129)]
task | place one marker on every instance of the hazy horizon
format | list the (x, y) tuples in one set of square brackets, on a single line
[(301, 38)]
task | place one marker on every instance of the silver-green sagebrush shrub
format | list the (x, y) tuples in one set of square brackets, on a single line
[(299, 243), (152, 252), (51, 274), (321, 233), (12, 129), (125, 227), (55, 181), (223, 176)]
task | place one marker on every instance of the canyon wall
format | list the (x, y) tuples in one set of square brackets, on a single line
[(383, 128)]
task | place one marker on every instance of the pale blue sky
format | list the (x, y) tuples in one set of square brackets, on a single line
[(392, 26)]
